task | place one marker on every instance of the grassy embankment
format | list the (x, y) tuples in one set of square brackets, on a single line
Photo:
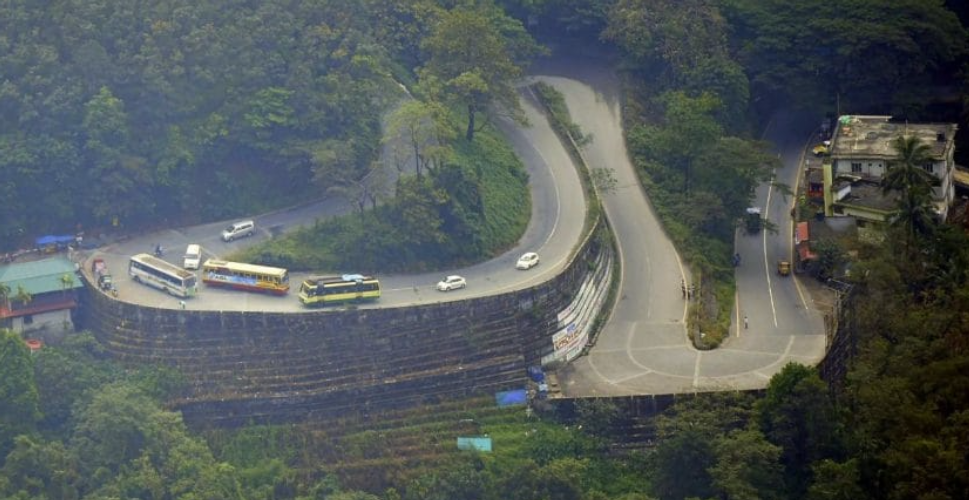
[(402, 447), (411, 233)]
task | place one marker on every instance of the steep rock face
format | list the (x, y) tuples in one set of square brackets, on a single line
[(279, 367)]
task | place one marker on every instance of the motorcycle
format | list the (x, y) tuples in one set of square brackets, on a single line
[(159, 251)]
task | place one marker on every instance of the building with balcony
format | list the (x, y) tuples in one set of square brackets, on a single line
[(860, 154)]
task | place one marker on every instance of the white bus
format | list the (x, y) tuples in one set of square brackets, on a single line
[(158, 273)]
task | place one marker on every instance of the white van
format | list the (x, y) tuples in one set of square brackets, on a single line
[(193, 256), (238, 230)]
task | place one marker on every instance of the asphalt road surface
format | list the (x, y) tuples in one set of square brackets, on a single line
[(558, 213), (643, 348)]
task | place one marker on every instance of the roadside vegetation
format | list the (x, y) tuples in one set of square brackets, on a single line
[(464, 209), (187, 113), (892, 427), (120, 116), (459, 193), (116, 113), (701, 83)]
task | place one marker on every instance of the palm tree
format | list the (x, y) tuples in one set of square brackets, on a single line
[(23, 296), (907, 177), (67, 281), (914, 215), (907, 173), (4, 295)]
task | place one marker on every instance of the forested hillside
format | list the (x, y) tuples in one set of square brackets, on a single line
[(192, 110), (182, 108), (121, 117)]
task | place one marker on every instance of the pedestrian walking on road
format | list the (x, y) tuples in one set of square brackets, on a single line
[(745, 322), (683, 288)]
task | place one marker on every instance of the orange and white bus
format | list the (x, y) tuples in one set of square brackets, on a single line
[(241, 276)]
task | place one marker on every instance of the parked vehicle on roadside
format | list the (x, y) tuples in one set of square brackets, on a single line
[(105, 282), (163, 275), (98, 267), (193, 257)]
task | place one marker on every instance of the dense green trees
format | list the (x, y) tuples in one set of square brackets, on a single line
[(178, 108), (700, 178), (475, 54), (192, 109), (139, 110), (908, 178), (18, 391), (884, 56), (466, 205), (797, 415)]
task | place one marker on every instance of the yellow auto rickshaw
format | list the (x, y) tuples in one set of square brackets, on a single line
[(783, 268)]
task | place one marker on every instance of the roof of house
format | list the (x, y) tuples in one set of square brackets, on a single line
[(40, 276), (868, 195), (867, 136), (802, 233), (961, 176)]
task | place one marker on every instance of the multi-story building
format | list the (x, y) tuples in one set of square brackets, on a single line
[(861, 152)]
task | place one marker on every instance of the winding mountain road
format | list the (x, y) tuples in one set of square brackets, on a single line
[(643, 349)]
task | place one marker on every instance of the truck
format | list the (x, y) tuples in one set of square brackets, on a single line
[(98, 267), (752, 220)]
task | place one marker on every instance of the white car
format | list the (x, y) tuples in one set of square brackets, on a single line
[(193, 256), (451, 283), (527, 261)]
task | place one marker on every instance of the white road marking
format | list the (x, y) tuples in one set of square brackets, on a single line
[(767, 271), (696, 369)]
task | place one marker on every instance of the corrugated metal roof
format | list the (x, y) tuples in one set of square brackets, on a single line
[(40, 276), (802, 232), (961, 177)]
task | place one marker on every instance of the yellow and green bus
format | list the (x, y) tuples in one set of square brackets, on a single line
[(322, 290)]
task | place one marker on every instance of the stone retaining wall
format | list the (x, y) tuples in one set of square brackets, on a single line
[(281, 367)]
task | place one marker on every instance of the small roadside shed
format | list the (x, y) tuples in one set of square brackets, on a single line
[(38, 295), (802, 240)]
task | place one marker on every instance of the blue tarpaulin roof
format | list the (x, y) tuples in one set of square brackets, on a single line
[(53, 240), (510, 398)]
